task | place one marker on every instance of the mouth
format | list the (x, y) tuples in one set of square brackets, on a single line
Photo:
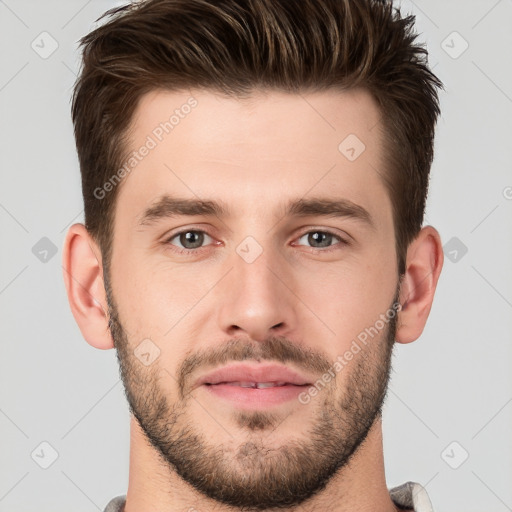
[(254, 387)]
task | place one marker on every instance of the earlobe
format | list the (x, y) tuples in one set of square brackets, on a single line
[(83, 277), (423, 268)]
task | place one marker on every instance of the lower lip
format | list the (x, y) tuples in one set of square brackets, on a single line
[(250, 398)]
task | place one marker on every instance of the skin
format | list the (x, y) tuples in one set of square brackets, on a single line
[(255, 156)]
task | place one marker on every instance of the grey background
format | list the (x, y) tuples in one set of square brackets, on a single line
[(452, 385)]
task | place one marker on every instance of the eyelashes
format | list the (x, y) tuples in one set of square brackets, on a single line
[(326, 235)]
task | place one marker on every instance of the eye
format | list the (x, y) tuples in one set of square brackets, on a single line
[(190, 239), (321, 239)]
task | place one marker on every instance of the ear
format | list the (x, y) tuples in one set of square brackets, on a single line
[(83, 277), (424, 263)]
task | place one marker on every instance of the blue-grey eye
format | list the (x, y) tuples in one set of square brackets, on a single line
[(318, 239), (190, 239)]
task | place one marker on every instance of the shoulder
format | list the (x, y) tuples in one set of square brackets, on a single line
[(116, 504), (411, 496)]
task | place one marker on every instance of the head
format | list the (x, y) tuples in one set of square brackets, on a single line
[(254, 178)]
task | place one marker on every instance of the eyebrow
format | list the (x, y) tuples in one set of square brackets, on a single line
[(168, 206)]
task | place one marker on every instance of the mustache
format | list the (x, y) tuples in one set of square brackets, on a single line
[(273, 348)]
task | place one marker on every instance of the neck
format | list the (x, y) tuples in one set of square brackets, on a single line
[(360, 485)]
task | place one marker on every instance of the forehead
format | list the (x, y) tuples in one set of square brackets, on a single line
[(265, 149), (257, 120)]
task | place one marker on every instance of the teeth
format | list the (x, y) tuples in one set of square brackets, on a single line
[(270, 384), (259, 385)]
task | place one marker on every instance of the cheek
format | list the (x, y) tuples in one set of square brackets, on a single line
[(348, 299), (156, 304), (155, 298)]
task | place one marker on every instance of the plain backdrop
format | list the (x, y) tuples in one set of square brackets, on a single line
[(64, 421)]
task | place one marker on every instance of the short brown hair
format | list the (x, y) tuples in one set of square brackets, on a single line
[(237, 46)]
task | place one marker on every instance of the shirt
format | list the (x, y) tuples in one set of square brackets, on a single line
[(406, 496)]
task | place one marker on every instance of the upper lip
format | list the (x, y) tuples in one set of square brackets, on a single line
[(248, 373)]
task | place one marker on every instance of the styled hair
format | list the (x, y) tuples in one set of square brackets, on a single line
[(235, 47)]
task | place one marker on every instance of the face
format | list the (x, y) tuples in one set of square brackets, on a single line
[(255, 238)]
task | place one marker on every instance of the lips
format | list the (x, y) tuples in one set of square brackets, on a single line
[(259, 385), (261, 376)]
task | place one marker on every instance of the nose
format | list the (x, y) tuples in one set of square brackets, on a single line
[(256, 298)]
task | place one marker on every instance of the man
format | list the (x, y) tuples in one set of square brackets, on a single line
[(254, 177)]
